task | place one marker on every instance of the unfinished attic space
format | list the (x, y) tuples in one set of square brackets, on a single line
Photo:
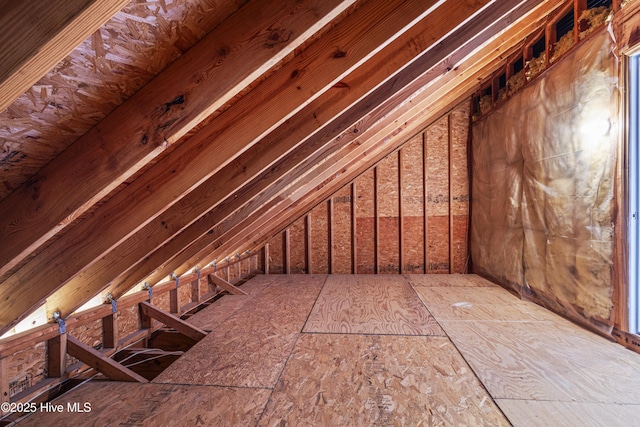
[(320, 212)]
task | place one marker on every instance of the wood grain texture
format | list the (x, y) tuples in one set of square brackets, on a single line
[(270, 148), (529, 413), (342, 380), (462, 280), (371, 305), (48, 32), (250, 348), (431, 100), (480, 303), (101, 363), (556, 361), (162, 112), (151, 405)]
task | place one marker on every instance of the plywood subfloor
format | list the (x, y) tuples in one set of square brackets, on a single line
[(365, 304), (361, 350), (363, 380), (250, 348), (132, 404)]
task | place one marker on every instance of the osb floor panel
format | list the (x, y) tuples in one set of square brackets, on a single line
[(250, 348), (361, 350), (361, 380), (364, 304), (132, 404)]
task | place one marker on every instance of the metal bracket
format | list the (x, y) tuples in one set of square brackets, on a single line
[(175, 277), (198, 273), (114, 303), (148, 288), (62, 326)]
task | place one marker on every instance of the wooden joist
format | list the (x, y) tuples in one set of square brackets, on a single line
[(430, 104), (173, 104), (194, 86), (100, 362), (44, 42), (223, 284), (172, 321), (309, 132), (485, 26), (267, 106)]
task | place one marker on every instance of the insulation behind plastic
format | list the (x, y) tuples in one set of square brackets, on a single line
[(543, 186)]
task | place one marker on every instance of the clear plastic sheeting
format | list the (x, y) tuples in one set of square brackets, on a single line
[(543, 186)]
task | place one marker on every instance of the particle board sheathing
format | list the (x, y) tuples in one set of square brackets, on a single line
[(364, 304), (127, 404), (490, 364), (340, 380), (250, 348)]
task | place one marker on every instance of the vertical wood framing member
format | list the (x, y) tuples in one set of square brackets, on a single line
[(425, 196), (5, 395), (330, 228), (376, 223), (354, 259), (265, 254), (287, 251), (400, 212), (110, 331), (450, 137), (174, 301), (307, 241), (57, 356), (195, 290)]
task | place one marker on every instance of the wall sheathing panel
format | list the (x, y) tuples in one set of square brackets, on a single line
[(388, 211), (413, 206), (437, 207), (342, 231), (395, 195), (365, 227), (319, 239), (543, 177), (276, 254), (297, 257)]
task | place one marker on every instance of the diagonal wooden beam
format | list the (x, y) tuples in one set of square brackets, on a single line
[(172, 321), (37, 35), (346, 46), (101, 363), (483, 27), (210, 74), (303, 130), (323, 183), (223, 284)]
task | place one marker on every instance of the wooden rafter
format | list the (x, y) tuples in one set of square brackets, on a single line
[(196, 159), (207, 151), (485, 28), (193, 87), (457, 84), (303, 135)]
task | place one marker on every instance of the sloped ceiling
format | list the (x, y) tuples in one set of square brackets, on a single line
[(181, 132)]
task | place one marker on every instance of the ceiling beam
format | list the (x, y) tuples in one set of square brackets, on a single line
[(198, 83), (346, 46), (303, 130), (36, 35), (485, 27), (253, 231)]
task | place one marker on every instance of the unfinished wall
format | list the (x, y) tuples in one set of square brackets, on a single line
[(543, 186), (377, 223)]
